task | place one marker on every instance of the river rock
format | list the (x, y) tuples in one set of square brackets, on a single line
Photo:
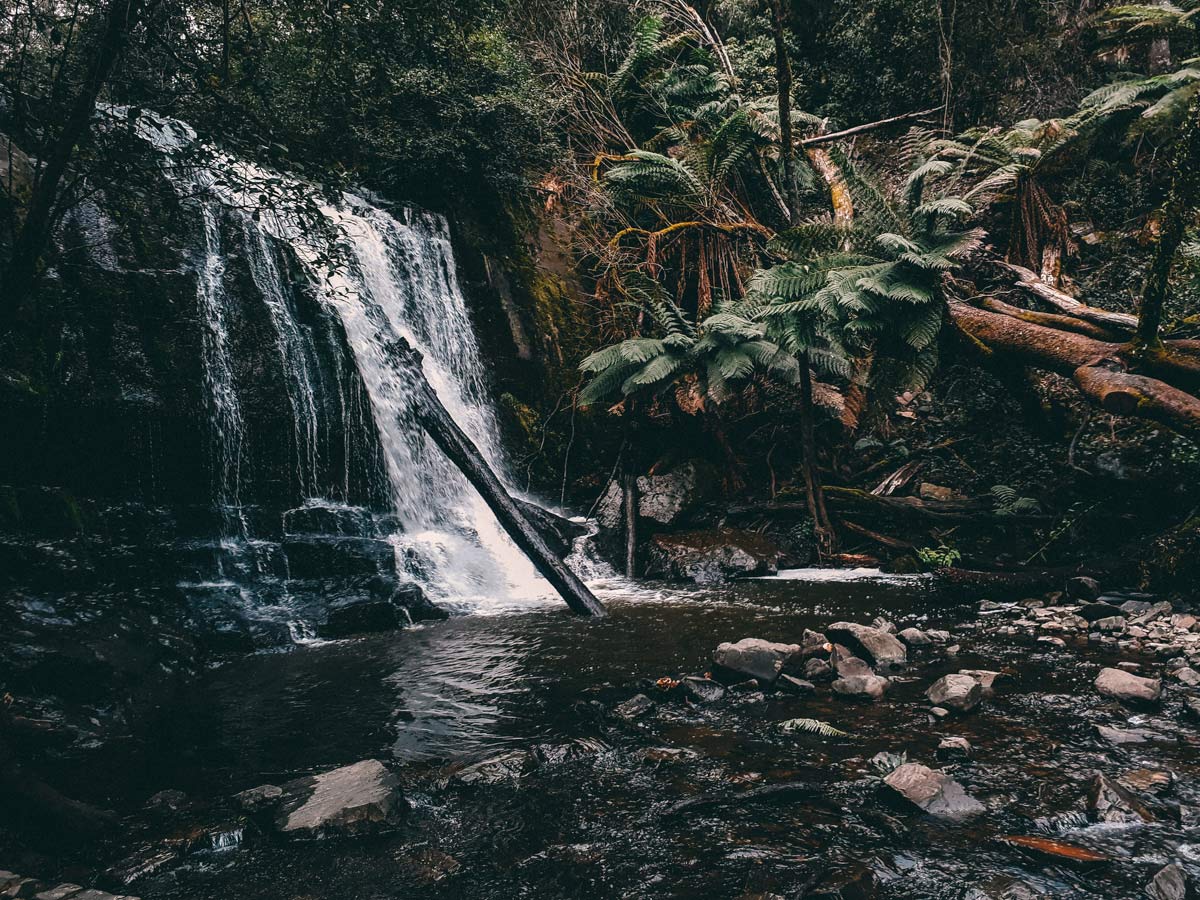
[(1119, 736), (914, 637), (1126, 686), (1168, 883), (817, 669), (954, 747), (1107, 801), (1099, 610), (503, 767), (789, 685), (60, 892), (960, 693), (1150, 781), (265, 796), (1081, 587), (1188, 676), (755, 658), (701, 690), (813, 643), (986, 678), (354, 799), (851, 666), (712, 557), (873, 644), (861, 687), (933, 792), (634, 708)]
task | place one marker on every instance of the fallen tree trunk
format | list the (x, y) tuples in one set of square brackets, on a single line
[(1027, 279), (970, 584), (1101, 369), (440, 426), (968, 510), (1052, 320)]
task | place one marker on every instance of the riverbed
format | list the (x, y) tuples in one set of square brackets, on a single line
[(704, 800)]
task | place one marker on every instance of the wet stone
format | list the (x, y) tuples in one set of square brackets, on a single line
[(1150, 781), (702, 690), (817, 669), (861, 687), (960, 693), (954, 748), (1119, 736), (789, 685), (933, 792), (986, 678), (1108, 801), (755, 658), (1125, 686), (265, 796), (1188, 676), (914, 637), (1095, 611), (1168, 883), (634, 708), (354, 799), (499, 769), (1081, 587), (168, 801), (1191, 709), (876, 646), (61, 892), (851, 667)]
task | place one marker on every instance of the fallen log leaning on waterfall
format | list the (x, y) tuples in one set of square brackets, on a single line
[(445, 432)]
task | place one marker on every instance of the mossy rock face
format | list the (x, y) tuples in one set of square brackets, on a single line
[(1173, 563)]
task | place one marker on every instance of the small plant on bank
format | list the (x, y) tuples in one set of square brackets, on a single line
[(939, 557)]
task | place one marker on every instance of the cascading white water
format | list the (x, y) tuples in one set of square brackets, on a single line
[(224, 410), (389, 275)]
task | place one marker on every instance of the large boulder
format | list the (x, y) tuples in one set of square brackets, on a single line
[(878, 647), (754, 658), (960, 693), (355, 799), (666, 499), (1121, 685), (712, 557), (933, 792)]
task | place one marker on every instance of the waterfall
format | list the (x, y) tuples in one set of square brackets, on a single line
[(383, 273)]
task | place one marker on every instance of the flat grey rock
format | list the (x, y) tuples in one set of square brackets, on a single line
[(354, 799)]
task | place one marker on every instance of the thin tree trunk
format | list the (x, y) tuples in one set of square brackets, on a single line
[(30, 244), (783, 80), (445, 432), (1178, 212), (630, 504), (823, 528)]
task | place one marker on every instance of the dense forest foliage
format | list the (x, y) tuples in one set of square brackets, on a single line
[(812, 240)]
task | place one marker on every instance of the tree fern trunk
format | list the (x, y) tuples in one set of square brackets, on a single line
[(1177, 213)]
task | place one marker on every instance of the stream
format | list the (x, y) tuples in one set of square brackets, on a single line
[(574, 801)]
